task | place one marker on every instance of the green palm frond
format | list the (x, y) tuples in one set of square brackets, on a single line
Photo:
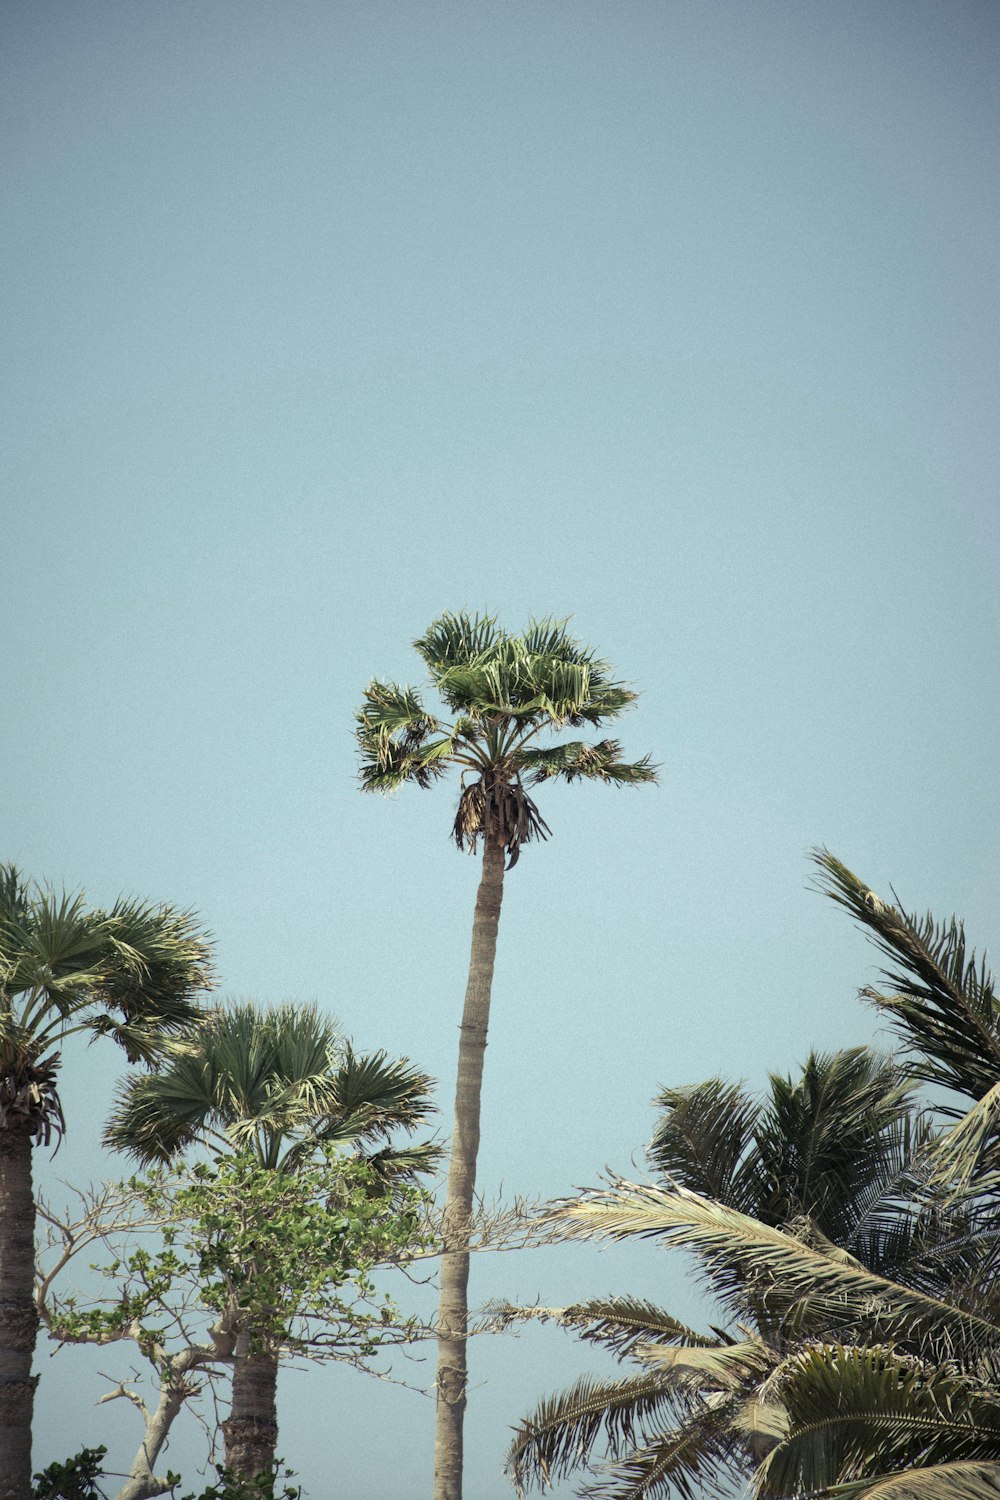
[(456, 640), (835, 1140), (691, 1461), (952, 1481), (564, 1430), (751, 1266), (944, 1003), (705, 1141), (393, 730), (616, 1323), (576, 761), (854, 1412), (133, 974), (405, 1163)]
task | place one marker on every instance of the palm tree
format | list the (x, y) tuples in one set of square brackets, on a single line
[(822, 1156), (281, 1085), (132, 974), (502, 692), (869, 1362)]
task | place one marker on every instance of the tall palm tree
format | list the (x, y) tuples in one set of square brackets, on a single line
[(502, 692), (132, 974), (281, 1084), (822, 1156)]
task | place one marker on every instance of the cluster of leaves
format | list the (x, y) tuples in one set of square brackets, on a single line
[(269, 1251), (76, 1479)]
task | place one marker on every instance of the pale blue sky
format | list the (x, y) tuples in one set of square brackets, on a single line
[(677, 317)]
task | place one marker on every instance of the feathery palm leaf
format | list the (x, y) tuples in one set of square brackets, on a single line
[(853, 1412), (944, 1002), (752, 1267)]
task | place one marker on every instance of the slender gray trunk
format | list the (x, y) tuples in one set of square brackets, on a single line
[(250, 1432), (18, 1316), (453, 1305)]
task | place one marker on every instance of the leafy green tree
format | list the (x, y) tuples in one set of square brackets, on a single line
[(132, 974), (502, 692), (279, 1086), (200, 1253)]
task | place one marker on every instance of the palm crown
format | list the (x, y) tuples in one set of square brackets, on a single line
[(502, 691), (132, 973), (278, 1082)]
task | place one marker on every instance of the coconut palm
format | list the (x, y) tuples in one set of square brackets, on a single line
[(132, 974), (870, 1357), (823, 1156), (502, 692), (280, 1084)]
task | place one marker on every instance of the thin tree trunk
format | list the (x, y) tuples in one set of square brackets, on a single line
[(18, 1317), (453, 1305), (250, 1432)]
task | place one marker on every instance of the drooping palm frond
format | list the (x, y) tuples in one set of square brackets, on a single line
[(693, 1461), (754, 1268), (618, 1324), (944, 1003), (857, 1412), (29, 1096), (563, 1432), (497, 805)]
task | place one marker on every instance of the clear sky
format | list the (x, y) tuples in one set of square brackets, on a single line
[(677, 317)]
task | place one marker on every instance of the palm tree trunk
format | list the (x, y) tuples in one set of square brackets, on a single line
[(18, 1317), (250, 1432), (453, 1305)]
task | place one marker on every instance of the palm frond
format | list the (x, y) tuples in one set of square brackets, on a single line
[(393, 728), (575, 760), (966, 1159), (563, 1431), (455, 640), (944, 1003), (705, 1141), (692, 1461), (493, 806), (952, 1481), (853, 1412), (751, 1266), (834, 1140), (617, 1323)]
